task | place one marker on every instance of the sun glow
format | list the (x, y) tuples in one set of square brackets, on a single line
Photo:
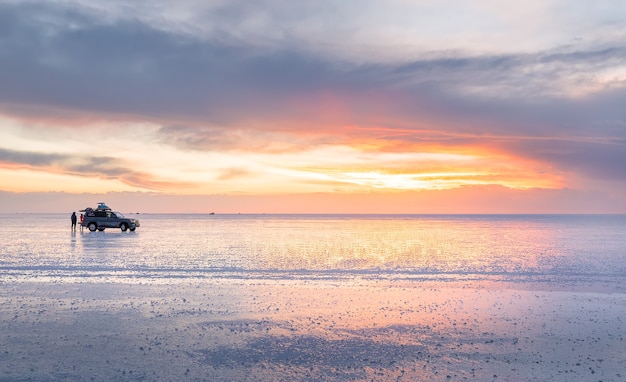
[(425, 181), (74, 164), (420, 169)]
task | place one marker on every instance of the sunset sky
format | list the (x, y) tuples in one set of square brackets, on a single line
[(352, 106)]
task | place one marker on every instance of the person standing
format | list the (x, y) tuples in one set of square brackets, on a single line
[(73, 217)]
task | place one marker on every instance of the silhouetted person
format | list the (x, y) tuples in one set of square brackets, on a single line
[(73, 217)]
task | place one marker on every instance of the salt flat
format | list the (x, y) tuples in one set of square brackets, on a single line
[(314, 298), (340, 329)]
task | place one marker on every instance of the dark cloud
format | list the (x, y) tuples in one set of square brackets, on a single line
[(530, 94), (104, 166), (117, 68), (85, 166), (601, 160), (23, 158), (195, 137), (70, 58), (129, 67)]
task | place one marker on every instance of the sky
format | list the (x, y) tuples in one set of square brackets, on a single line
[(273, 106)]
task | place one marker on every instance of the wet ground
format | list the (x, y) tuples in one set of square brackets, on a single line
[(307, 330)]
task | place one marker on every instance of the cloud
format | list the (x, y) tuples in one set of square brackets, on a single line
[(20, 158), (270, 76), (600, 160), (129, 67), (84, 166), (71, 58), (220, 139)]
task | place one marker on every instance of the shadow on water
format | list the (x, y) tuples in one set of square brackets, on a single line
[(380, 353), (353, 354)]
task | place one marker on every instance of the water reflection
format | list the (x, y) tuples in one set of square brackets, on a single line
[(329, 245), (73, 242)]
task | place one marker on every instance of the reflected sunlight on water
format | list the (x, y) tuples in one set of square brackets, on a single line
[(321, 246)]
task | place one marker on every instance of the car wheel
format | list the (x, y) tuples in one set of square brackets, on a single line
[(132, 228), (92, 227), (123, 227)]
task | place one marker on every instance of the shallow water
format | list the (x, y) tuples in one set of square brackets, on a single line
[(312, 297), (509, 247)]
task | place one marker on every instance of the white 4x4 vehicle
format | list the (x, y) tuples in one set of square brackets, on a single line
[(102, 217)]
